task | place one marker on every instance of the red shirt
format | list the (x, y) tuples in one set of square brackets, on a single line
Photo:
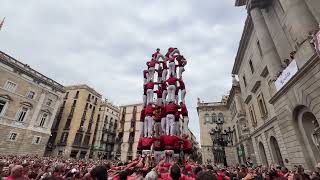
[(152, 63), (163, 112), (150, 85), (155, 54), (160, 72), (170, 59), (157, 116), (187, 145), (142, 115), (181, 60), (164, 64), (149, 110), (159, 93), (163, 86), (171, 108), (144, 89), (172, 80), (182, 85), (184, 110)]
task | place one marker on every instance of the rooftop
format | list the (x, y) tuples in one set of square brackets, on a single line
[(26, 69)]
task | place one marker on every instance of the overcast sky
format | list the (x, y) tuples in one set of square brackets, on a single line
[(105, 43)]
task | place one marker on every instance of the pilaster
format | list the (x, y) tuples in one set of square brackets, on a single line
[(270, 56)]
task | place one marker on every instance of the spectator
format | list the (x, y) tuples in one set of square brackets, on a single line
[(175, 173), (205, 175), (16, 173), (99, 173)]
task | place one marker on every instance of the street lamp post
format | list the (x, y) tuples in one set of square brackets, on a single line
[(220, 139)]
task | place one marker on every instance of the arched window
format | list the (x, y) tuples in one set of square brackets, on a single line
[(214, 117), (220, 118), (207, 118)]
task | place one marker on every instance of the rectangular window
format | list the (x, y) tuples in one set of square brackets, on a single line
[(244, 81), (13, 136), (67, 94), (49, 102), (86, 140), (77, 95), (259, 48), (262, 106), (64, 137), (31, 95), (2, 106), (74, 103), (22, 114), (251, 66), (252, 116), (36, 140), (43, 119), (10, 86)]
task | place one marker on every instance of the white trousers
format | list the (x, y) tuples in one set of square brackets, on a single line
[(157, 129), (163, 126), (183, 95), (171, 93), (178, 127), (151, 71), (172, 69), (164, 74), (159, 101), (170, 129), (180, 71), (147, 127), (144, 97), (149, 96), (164, 96), (185, 124)]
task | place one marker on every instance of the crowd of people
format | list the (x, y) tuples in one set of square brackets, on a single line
[(143, 167)]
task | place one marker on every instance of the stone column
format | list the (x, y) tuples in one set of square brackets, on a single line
[(300, 22), (269, 53), (314, 8), (277, 33)]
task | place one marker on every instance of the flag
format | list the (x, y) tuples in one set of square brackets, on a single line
[(1, 24)]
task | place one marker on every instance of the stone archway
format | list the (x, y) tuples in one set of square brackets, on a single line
[(263, 155), (276, 151), (306, 125)]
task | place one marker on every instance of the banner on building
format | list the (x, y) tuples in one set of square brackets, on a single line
[(286, 75)]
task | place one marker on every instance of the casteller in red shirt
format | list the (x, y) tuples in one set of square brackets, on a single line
[(171, 108), (149, 110), (142, 115), (172, 80)]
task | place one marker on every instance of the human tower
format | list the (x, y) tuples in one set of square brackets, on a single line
[(165, 115)]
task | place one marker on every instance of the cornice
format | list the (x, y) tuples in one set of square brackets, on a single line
[(246, 34), (264, 125), (26, 69), (240, 2), (295, 79)]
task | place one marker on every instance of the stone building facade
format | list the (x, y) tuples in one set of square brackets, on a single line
[(239, 120), (105, 132), (128, 132), (209, 113), (29, 102), (281, 104), (73, 129)]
